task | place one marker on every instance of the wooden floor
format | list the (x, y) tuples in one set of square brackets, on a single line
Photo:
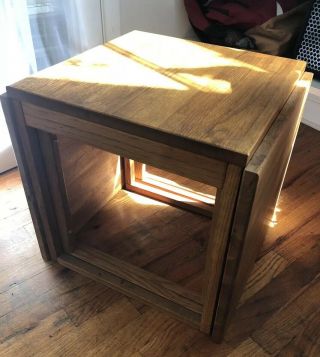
[(164, 240), (47, 310)]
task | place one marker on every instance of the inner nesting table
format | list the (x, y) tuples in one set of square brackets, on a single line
[(153, 165)]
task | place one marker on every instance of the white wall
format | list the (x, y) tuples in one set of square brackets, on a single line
[(167, 17), (111, 19), (90, 12), (311, 115)]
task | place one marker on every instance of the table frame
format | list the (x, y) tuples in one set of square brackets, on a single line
[(246, 197)]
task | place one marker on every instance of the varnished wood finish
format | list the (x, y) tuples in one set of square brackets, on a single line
[(26, 144), (170, 193), (9, 110), (148, 281), (101, 275), (148, 234), (203, 169), (47, 310), (213, 121), (260, 188), (91, 177), (47, 145), (158, 85), (218, 241), (208, 191)]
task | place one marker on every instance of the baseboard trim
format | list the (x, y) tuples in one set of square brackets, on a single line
[(311, 116), (311, 123)]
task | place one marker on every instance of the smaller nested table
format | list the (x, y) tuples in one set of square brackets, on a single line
[(153, 165)]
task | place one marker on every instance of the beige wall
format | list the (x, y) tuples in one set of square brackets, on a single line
[(167, 17)]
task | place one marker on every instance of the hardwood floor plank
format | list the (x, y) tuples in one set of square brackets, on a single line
[(42, 296), (148, 328), (12, 196), (305, 152), (248, 348), (29, 341), (261, 306), (265, 269), (293, 318), (57, 336), (18, 262), (307, 342), (170, 341), (158, 238), (300, 195), (95, 299), (204, 346), (305, 239), (46, 310)]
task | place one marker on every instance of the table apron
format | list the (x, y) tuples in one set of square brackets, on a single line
[(181, 162)]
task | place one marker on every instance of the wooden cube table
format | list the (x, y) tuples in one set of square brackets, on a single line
[(153, 165)]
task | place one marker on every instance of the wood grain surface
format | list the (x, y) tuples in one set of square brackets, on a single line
[(207, 191), (30, 158), (260, 187), (215, 96), (169, 188), (218, 104), (140, 232), (203, 169), (21, 157), (47, 310), (146, 280), (91, 177), (218, 242)]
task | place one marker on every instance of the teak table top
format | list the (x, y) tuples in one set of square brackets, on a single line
[(214, 100)]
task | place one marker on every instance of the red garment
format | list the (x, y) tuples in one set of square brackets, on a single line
[(240, 14), (196, 16)]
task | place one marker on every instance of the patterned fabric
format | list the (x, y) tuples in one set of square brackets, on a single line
[(278, 36), (225, 22), (309, 47)]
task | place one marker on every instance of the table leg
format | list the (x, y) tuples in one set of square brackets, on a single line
[(30, 162), (219, 236)]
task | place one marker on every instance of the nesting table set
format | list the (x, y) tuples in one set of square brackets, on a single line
[(153, 165)]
